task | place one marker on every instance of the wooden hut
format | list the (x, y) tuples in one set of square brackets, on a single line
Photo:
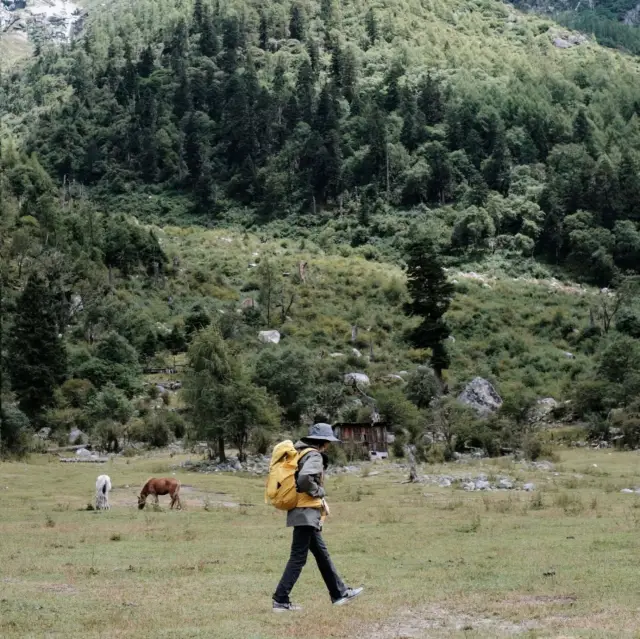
[(363, 440)]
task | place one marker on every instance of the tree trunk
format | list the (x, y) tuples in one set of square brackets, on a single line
[(409, 451), (221, 453)]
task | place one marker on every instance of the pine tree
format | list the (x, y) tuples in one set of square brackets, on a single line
[(297, 24), (37, 360), (371, 25), (208, 44), (305, 91), (431, 294), (205, 190), (146, 63), (263, 32), (430, 100), (198, 16), (314, 55)]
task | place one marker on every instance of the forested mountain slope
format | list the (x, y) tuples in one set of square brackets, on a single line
[(320, 109), (321, 132)]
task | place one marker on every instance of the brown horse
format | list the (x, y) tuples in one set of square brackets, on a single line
[(164, 486)]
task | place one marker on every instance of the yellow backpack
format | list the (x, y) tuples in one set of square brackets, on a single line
[(281, 482)]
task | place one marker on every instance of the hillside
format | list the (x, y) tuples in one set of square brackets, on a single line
[(307, 135)]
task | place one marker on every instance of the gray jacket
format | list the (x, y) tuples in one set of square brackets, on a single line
[(309, 480)]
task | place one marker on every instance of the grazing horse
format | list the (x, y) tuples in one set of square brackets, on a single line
[(103, 486), (164, 486)]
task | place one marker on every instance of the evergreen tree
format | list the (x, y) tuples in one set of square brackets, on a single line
[(305, 92), (297, 24), (37, 360), (431, 295), (208, 44), (146, 63), (263, 31), (371, 25)]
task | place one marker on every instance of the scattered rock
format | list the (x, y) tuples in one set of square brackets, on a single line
[(444, 482), (356, 352), (336, 355), (469, 486), (480, 395), (529, 487), (393, 378), (569, 355), (269, 337), (44, 433), (353, 379), (505, 484), (482, 484), (561, 43), (627, 491), (542, 410)]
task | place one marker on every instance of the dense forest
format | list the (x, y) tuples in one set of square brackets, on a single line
[(354, 125)]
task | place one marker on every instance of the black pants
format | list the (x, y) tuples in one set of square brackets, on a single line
[(305, 539)]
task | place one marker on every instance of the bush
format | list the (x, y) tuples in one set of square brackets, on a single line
[(107, 435), (14, 430), (156, 429), (422, 386), (533, 448), (77, 392), (176, 424), (288, 374), (260, 441), (337, 455)]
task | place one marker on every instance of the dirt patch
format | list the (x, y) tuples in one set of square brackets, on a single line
[(65, 589), (441, 621), (541, 600)]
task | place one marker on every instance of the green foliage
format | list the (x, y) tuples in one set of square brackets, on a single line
[(288, 374), (110, 404), (14, 429), (422, 386), (36, 353), (430, 293)]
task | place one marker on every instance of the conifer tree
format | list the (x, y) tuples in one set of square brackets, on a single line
[(37, 360), (431, 295)]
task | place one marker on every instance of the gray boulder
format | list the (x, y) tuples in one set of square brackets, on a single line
[(269, 337), (505, 484), (480, 395), (360, 379), (529, 487), (482, 484)]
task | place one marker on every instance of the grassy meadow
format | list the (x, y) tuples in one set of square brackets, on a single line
[(561, 561)]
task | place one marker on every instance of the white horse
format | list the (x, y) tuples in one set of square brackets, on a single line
[(103, 486)]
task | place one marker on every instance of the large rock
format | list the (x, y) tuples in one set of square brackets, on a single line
[(359, 379), (542, 410), (269, 337), (480, 395)]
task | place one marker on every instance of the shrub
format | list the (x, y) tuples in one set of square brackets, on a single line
[(14, 430), (422, 386), (107, 435), (533, 448), (77, 392), (156, 429)]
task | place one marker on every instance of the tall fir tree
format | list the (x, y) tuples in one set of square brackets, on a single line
[(37, 360), (431, 295)]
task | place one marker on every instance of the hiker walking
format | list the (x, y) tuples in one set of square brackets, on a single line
[(295, 484)]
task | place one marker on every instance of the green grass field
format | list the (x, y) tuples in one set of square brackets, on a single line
[(436, 562)]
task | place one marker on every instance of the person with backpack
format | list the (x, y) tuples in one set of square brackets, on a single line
[(295, 484)]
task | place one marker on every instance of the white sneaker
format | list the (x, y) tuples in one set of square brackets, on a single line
[(285, 607), (348, 596)]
